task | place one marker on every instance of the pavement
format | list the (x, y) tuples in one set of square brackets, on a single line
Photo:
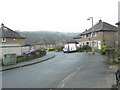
[(27, 63)]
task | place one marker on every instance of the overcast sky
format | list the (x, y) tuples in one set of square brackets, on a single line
[(56, 15)]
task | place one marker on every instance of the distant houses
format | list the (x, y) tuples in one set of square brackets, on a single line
[(44, 43), (11, 41), (104, 34)]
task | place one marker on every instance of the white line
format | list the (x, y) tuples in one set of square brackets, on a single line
[(62, 84)]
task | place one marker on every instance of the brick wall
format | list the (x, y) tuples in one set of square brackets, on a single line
[(106, 38), (110, 38)]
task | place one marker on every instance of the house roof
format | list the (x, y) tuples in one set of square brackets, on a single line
[(71, 41), (8, 33), (101, 26), (44, 41), (77, 37)]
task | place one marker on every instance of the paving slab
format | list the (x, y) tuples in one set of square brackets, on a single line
[(27, 63)]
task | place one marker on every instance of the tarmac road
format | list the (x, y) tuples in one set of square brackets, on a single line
[(66, 70)]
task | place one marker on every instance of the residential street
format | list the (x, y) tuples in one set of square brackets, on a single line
[(69, 70)]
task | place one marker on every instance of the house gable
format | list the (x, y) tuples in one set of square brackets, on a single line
[(8, 33)]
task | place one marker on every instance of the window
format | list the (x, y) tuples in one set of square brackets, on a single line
[(91, 34), (95, 34), (95, 43), (3, 39), (87, 35)]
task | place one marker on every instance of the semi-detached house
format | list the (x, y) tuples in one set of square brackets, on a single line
[(104, 34), (10, 37), (11, 42)]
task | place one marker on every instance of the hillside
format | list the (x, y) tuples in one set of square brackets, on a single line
[(36, 37)]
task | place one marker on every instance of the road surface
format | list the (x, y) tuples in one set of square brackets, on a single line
[(69, 70)]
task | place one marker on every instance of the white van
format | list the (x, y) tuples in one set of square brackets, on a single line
[(71, 47)]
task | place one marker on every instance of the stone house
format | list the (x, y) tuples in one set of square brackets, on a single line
[(103, 34)]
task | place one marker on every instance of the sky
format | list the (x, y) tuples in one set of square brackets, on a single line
[(56, 15)]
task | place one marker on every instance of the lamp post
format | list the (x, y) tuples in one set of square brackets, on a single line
[(93, 51)]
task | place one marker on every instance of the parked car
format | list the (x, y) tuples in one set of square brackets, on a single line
[(28, 52)]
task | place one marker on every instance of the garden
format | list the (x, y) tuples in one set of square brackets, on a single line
[(84, 48), (112, 55), (36, 53)]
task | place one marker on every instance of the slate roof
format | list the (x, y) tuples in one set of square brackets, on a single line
[(6, 32), (71, 41), (101, 26), (77, 37)]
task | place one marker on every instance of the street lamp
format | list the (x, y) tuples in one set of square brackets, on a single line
[(93, 51)]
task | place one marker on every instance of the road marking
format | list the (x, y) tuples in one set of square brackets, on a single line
[(64, 81)]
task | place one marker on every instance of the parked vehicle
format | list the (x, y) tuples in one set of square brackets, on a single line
[(28, 52), (71, 47)]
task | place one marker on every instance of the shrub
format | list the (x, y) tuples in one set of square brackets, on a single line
[(42, 49), (86, 47), (79, 49), (113, 61), (51, 49), (103, 50), (40, 52), (59, 48)]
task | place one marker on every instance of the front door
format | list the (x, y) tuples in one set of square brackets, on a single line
[(99, 44)]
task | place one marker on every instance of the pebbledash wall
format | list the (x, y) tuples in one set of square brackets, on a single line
[(19, 50)]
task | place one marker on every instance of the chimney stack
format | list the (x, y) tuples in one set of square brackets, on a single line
[(100, 21), (2, 25)]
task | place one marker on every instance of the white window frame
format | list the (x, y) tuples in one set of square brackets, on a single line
[(95, 34), (3, 39), (95, 43), (91, 34)]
